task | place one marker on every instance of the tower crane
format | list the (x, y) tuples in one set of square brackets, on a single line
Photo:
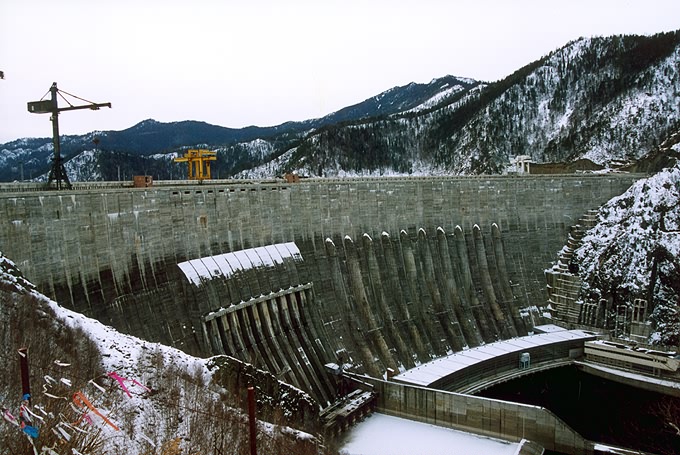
[(50, 106)]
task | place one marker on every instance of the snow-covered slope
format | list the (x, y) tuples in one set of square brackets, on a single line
[(135, 396), (634, 252), (602, 99)]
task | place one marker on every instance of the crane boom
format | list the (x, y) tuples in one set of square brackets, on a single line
[(93, 106)]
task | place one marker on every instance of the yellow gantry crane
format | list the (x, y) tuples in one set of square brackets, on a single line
[(198, 162)]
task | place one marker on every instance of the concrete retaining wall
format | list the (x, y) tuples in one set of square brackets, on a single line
[(494, 418)]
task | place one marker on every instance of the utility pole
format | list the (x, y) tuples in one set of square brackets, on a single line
[(23, 367), (252, 421), (51, 106)]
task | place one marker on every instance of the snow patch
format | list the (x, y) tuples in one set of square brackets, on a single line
[(382, 434)]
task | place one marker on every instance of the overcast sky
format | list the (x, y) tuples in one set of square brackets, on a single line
[(265, 62)]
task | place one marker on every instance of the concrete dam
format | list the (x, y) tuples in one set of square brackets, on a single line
[(375, 274)]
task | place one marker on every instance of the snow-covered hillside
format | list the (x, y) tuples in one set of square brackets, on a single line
[(603, 99), (634, 252), (124, 396), (628, 120)]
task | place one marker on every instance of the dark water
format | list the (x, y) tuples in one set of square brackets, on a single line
[(600, 410)]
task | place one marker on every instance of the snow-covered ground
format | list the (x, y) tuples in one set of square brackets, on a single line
[(381, 434)]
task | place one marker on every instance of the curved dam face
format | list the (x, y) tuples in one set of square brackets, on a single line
[(376, 273)]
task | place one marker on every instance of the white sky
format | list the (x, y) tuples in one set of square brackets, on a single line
[(265, 62)]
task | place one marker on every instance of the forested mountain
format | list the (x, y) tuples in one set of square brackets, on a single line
[(149, 146), (601, 99)]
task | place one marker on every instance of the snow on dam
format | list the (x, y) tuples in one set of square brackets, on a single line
[(372, 273)]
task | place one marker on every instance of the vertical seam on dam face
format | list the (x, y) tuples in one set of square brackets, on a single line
[(354, 329), (441, 314), (504, 281), (394, 290), (466, 320), (414, 297), (267, 253), (484, 322), (371, 329), (458, 341), (507, 330), (384, 312)]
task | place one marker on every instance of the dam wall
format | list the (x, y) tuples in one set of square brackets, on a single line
[(371, 273)]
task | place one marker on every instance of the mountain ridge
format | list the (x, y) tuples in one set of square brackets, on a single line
[(149, 137), (600, 99), (554, 109)]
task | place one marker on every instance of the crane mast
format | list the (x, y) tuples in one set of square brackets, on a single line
[(51, 106)]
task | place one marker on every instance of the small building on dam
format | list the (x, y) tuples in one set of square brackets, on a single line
[(379, 274)]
